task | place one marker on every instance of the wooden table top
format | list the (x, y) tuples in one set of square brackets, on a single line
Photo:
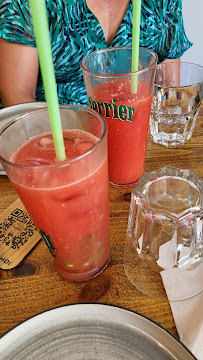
[(35, 286)]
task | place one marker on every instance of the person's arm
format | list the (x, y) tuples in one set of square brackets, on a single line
[(173, 76), (19, 68)]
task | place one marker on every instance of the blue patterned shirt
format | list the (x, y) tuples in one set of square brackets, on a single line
[(75, 32)]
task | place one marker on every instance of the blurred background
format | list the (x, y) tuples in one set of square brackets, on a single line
[(192, 16)]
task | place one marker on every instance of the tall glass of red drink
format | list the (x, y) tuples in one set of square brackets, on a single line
[(124, 99), (68, 201)]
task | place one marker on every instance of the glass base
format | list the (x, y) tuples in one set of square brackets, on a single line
[(168, 140), (82, 277), (173, 284), (123, 186), (146, 280)]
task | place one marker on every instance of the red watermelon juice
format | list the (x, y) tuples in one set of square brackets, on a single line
[(127, 116), (67, 202)]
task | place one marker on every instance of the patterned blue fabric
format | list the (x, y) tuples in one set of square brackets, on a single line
[(75, 32)]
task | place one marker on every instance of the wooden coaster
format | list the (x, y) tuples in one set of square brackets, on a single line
[(18, 235)]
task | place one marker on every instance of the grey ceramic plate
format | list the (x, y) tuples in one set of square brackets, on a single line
[(91, 332), (14, 111)]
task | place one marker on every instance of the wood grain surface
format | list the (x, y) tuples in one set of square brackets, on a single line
[(34, 286)]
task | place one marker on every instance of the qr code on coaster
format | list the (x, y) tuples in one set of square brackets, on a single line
[(16, 229)]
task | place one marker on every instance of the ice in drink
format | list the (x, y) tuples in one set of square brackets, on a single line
[(68, 201), (73, 217)]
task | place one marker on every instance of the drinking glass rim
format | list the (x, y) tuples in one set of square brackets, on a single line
[(181, 62), (168, 171), (109, 76), (178, 86), (59, 163), (169, 177)]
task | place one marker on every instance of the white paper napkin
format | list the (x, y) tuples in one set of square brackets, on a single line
[(188, 317), (187, 313), (184, 288)]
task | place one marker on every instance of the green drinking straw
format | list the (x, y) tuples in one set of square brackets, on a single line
[(38, 11), (135, 41)]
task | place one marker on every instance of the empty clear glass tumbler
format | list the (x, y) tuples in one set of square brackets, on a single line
[(164, 248), (176, 102)]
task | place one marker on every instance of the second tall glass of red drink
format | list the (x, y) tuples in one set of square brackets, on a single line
[(124, 99), (68, 201)]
